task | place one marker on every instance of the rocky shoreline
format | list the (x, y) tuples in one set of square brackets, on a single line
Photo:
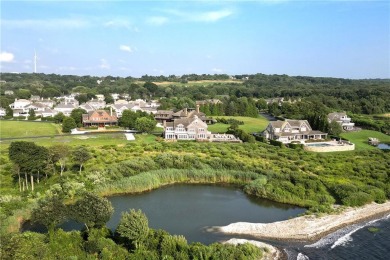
[(302, 229)]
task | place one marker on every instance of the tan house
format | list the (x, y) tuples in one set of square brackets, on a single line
[(100, 118), (292, 130)]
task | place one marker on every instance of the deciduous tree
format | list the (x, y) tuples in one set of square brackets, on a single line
[(133, 226)]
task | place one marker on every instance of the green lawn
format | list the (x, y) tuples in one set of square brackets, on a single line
[(9, 129), (360, 138), (250, 125)]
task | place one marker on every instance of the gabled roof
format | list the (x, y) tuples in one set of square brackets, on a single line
[(336, 115)]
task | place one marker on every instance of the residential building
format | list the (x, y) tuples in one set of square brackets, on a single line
[(186, 129), (100, 97), (342, 119), (100, 118), (292, 130), (97, 104), (20, 103), (65, 108), (2, 112), (168, 115)]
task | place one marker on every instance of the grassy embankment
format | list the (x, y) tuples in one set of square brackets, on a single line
[(360, 138)]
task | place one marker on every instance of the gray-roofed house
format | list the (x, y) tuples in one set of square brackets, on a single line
[(292, 130), (66, 109), (342, 119), (186, 129)]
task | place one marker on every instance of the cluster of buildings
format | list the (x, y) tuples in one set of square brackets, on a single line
[(51, 107)]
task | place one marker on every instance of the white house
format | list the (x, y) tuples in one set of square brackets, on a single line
[(64, 108), (2, 112), (97, 104), (292, 130), (186, 129), (342, 119), (20, 103), (100, 97)]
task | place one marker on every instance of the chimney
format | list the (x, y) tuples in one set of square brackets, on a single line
[(185, 112), (197, 109)]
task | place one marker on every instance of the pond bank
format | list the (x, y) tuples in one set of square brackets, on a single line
[(307, 228)]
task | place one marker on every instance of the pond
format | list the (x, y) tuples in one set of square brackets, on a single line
[(189, 210), (384, 146)]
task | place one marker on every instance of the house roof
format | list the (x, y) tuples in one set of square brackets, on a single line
[(183, 121), (336, 115), (62, 105)]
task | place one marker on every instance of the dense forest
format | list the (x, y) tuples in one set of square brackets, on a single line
[(368, 96)]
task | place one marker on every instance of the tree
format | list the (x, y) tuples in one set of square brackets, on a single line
[(50, 212), (31, 114), (80, 155), (68, 124), (59, 153), (144, 124), (134, 227), (77, 115), (58, 118), (128, 119), (334, 128), (29, 158), (92, 210)]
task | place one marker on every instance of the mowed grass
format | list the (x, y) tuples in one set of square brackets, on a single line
[(360, 138), (15, 129), (251, 125), (92, 140)]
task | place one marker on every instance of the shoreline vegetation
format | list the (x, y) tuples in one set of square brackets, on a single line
[(308, 228)]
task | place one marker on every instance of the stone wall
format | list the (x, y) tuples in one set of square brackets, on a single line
[(332, 148)]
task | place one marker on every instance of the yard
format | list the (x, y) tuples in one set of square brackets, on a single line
[(360, 138), (250, 125), (15, 129)]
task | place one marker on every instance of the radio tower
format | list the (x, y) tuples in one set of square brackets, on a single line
[(35, 61)]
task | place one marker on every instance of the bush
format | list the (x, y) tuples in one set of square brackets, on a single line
[(276, 143)]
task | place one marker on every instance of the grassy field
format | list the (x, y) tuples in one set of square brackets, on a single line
[(250, 125), (360, 138), (14, 129), (195, 83)]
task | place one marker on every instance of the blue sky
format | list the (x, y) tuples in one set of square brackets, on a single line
[(349, 39)]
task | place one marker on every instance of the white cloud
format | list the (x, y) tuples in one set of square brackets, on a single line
[(211, 16), (121, 23), (157, 20), (104, 64), (125, 48), (63, 23), (6, 56)]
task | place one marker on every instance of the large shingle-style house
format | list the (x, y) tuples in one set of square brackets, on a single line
[(65, 108), (167, 115), (342, 119), (292, 130), (186, 129), (100, 118)]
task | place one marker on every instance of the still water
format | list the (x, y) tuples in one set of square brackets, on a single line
[(189, 210)]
